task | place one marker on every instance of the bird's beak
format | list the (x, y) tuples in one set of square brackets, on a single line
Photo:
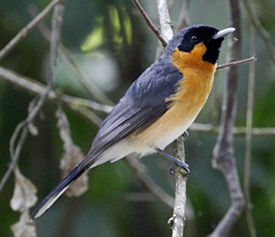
[(223, 33)]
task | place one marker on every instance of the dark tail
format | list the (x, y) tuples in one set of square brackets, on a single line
[(58, 191)]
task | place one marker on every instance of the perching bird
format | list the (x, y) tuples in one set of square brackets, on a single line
[(158, 107)]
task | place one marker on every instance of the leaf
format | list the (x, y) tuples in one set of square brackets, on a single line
[(33, 129), (25, 227), (24, 195), (71, 158)]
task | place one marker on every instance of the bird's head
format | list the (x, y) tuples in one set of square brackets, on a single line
[(200, 41)]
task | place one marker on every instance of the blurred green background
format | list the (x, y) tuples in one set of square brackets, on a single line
[(113, 46)]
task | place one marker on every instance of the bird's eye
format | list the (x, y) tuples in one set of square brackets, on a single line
[(194, 39)]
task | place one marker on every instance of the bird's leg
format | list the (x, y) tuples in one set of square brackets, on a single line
[(172, 168), (176, 161), (185, 135)]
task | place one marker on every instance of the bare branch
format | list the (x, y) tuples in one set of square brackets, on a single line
[(260, 29), (149, 183), (26, 30), (224, 159), (164, 20), (237, 131), (184, 20), (142, 175), (239, 62), (177, 221), (248, 138), (35, 87), (15, 152), (55, 39), (32, 114), (83, 106), (88, 84), (150, 23)]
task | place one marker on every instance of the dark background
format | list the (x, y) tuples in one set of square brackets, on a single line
[(114, 61)]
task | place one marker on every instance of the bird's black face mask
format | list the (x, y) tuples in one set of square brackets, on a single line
[(202, 35), (213, 50)]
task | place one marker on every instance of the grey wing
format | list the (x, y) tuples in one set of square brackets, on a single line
[(144, 102)]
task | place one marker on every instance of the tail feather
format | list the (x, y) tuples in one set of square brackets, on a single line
[(58, 191)]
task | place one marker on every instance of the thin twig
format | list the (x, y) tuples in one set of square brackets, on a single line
[(237, 131), (83, 106), (224, 159), (55, 39), (26, 30), (23, 125), (34, 87), (248, 138), (88, 84), (239, 62), (150, 23), (149, 183), (216, 104), (15, 152), (258, 25), (142, 175), (184, 20)]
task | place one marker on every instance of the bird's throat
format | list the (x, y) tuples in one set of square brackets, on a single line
[(198, 76)]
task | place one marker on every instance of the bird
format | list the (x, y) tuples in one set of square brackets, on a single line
[(158, 107)]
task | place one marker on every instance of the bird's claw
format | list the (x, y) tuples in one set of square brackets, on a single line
[(180, 164)]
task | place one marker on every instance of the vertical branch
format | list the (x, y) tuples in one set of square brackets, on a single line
[(164, 20), (177, 221), (24, 125), (150, 23), (249, 120), (15, 152), (184, 20), (29, 189), (88, 84), (224, 159), (258, 25), (55, 38)]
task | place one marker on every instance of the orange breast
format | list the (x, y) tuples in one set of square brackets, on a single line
[(195, 88), (186, 104)]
